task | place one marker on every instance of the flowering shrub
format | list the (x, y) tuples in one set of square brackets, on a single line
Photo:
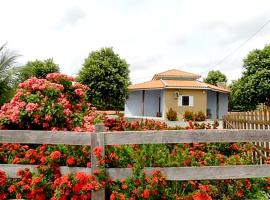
[(48, 183), (120, 124), (75, 186), (140, 186), (3, 185), (59, 103), (54, 103)]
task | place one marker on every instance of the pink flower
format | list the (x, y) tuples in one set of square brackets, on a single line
[(79, 92), (48, 118), (67, 112), (30, 107), (54, 129), (45, 125)]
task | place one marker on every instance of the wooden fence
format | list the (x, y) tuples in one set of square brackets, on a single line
[(258, 120), (145, 137)]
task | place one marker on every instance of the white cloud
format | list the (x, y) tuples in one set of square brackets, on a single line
[(152, 35)]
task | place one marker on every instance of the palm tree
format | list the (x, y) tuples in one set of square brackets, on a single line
[(7, 61)]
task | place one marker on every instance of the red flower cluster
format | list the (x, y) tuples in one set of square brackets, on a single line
[(55, 155), (143, 187), (3, 183), (201, 196), (97, 151), (77, 186), (120, 124)]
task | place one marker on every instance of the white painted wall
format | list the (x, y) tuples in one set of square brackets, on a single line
[(151, 103), (223, 104), (162, 108), (133, 105), (212, 103)]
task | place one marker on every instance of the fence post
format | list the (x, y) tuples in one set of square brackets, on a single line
[(97, 139)]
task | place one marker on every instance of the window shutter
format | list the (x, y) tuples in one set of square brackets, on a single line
[(190, 100), (180, 100)]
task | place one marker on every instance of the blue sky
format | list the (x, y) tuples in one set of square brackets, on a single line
[(152, 35)]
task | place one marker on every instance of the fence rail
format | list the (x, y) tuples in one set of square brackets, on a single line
[(172, 173), (145, 137), (135, 137)]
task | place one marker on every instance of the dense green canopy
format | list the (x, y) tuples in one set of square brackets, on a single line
[(253, 87), (107, 75), (214, 77), (37, 68)]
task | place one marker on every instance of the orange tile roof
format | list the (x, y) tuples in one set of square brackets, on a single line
[(162, 84), (192, 84), (180, 83), (216, 87), (154, 84), (175, 73)]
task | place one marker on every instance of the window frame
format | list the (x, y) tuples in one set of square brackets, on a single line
[(190, 100)]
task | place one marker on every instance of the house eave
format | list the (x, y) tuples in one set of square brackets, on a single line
[(136, 89), (197, 88)]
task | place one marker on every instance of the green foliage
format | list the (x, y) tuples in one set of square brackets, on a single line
[(7, 72), (253, 87), (200, 116), (37, 68), (214, 77), (189, 115), (257, 60), (171, 115), (107, 75), (250, 91)]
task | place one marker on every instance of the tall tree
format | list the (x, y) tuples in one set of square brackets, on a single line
[(253, 87), (108, 76), (7, 62), (37, 68), (214, 77), (257, 60)]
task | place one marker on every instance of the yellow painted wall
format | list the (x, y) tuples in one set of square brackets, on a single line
[(199, 101)]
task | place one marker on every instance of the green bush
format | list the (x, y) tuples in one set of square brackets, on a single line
[(171, 115), (200, 116), (188, 115)]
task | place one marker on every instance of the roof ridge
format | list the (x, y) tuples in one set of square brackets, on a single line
[(163, 82), (202, 83)]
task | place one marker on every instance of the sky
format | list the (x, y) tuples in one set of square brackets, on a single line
[(151, 35)]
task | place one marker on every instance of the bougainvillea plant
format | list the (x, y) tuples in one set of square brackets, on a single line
[(55, 103)]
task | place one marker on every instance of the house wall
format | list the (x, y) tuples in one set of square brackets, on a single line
[(223, 104), (151, 103), (212, 104), (199, 101), (163, 112), (133, 105)]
